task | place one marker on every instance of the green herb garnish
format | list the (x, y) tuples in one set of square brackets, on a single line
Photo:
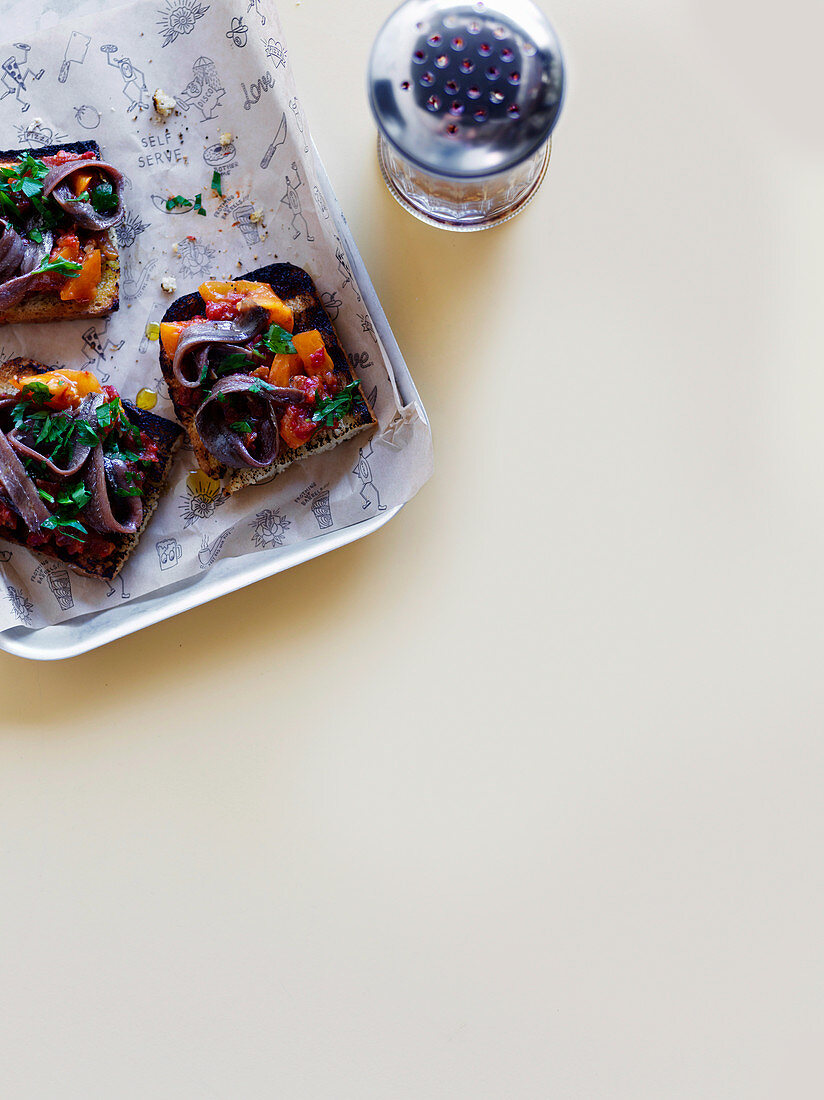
[(104, 198), (36, 236), (38, 392), (242, 427), (178, 200), (107, 413), (217, 183), (10, 206), (61, 267), (333, 408), (70, 527), (199, 205), (279, 341)]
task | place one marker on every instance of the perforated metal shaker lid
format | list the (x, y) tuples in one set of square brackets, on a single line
[(469, 89)]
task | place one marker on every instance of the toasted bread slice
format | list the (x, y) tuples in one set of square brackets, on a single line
[(38, 308), (166, 435), (295, 287)]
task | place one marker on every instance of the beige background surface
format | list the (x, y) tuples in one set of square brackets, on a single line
[(452, 814)]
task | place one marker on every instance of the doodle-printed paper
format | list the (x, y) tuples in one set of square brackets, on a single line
[(77, 69)]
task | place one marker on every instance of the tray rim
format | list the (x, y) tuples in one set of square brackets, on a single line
[(45, 643)]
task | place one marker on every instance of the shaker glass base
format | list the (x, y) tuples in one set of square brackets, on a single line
[(462, 205)]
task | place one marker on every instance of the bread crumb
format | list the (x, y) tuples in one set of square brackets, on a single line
[(256, 216), (176, 249), (164, 104), (169, 284), (225, 138)]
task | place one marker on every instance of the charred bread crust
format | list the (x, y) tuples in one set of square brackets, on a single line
[(44, 308), (166, 435), (296, 288)]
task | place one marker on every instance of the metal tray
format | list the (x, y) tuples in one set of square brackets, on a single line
[(76, 636)]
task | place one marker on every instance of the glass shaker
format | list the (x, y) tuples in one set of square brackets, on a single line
[(465, 98)]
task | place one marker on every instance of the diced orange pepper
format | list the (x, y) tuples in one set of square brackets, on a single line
[(82, 287), (283, 367), (259, 293), (170, 335), (67, 247), (294, 427), (81, 182), (67, 387), (312, 351)]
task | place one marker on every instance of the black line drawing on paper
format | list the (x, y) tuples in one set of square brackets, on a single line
[(76, 49), (372, 397), (293, 103), (320, 202), (39, 134), (196, 257), (87, 116), (367, 326), (21, 605), (332, 304), (275, 51), (130, 229), (203, 91), (60, 583), (16, 74), (345, 270), (318, 498), (242, 210), (254, 5), (277, 141), (360, 361), (5, 557), (132, 288), (363, 471), (169, 553), (97, 347), (208, 553), (220, 157), (238, 32), (269, 529), (134, 80), (256, 89), (201, 498), (322, 511), (112, 588), (292, 200), (179, 18)]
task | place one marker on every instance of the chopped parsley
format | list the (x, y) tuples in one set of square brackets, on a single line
[(68, 502), (178, 200), (231, 364), (333, 408), (104, 198), (38, 392), (61, 267), (107, 413), (217, 183), (279, 341), (36, 236), (186, 204), (25, 178), (242, 427)]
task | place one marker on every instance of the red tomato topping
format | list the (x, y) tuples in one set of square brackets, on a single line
[(64, 156), (296, 428), (225, 310), (307, 386)]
